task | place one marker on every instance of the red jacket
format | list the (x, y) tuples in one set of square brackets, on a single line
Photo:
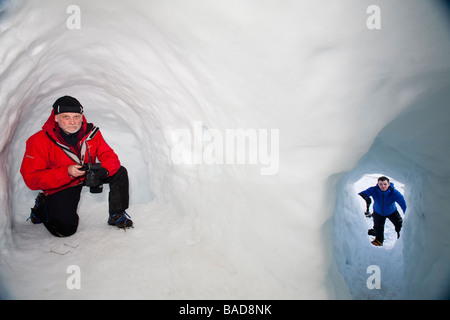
[(45, 164)]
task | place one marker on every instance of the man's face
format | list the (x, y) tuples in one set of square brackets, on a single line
[(69, 122), (383, 185)]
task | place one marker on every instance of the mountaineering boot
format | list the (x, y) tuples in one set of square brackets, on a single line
[(34, 219), (376, 243), (371, 232), (120, 220), (38, 211)]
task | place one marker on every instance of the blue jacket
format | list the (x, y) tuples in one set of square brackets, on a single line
[(384, 202)]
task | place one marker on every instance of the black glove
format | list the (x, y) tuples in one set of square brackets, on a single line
[(95, 173), (101, 173), (367, 199)]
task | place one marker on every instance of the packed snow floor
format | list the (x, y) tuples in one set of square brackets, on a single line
[(160, 258)]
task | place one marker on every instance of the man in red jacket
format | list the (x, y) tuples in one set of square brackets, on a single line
[(61, 159)]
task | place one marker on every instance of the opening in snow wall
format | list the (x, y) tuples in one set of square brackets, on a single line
[(347, 100)]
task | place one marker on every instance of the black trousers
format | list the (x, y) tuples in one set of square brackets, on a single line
[(58, 211), (379, 222)]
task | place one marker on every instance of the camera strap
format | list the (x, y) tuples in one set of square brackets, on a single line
[(83, 146)]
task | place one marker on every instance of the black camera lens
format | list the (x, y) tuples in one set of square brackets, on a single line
[(91, 180)]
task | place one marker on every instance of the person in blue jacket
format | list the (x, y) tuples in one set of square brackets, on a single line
[(385, 197)]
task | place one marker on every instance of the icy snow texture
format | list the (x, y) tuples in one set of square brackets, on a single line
[(347, 101)]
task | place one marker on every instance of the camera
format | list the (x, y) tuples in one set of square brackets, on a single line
[(92, 181)]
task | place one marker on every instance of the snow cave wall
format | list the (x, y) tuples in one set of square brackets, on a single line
[(347, 100)]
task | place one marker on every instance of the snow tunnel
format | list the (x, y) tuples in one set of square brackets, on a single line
[(402, 150), (347, 99)]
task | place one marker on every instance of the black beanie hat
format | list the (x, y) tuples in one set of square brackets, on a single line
[(67, 104)]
